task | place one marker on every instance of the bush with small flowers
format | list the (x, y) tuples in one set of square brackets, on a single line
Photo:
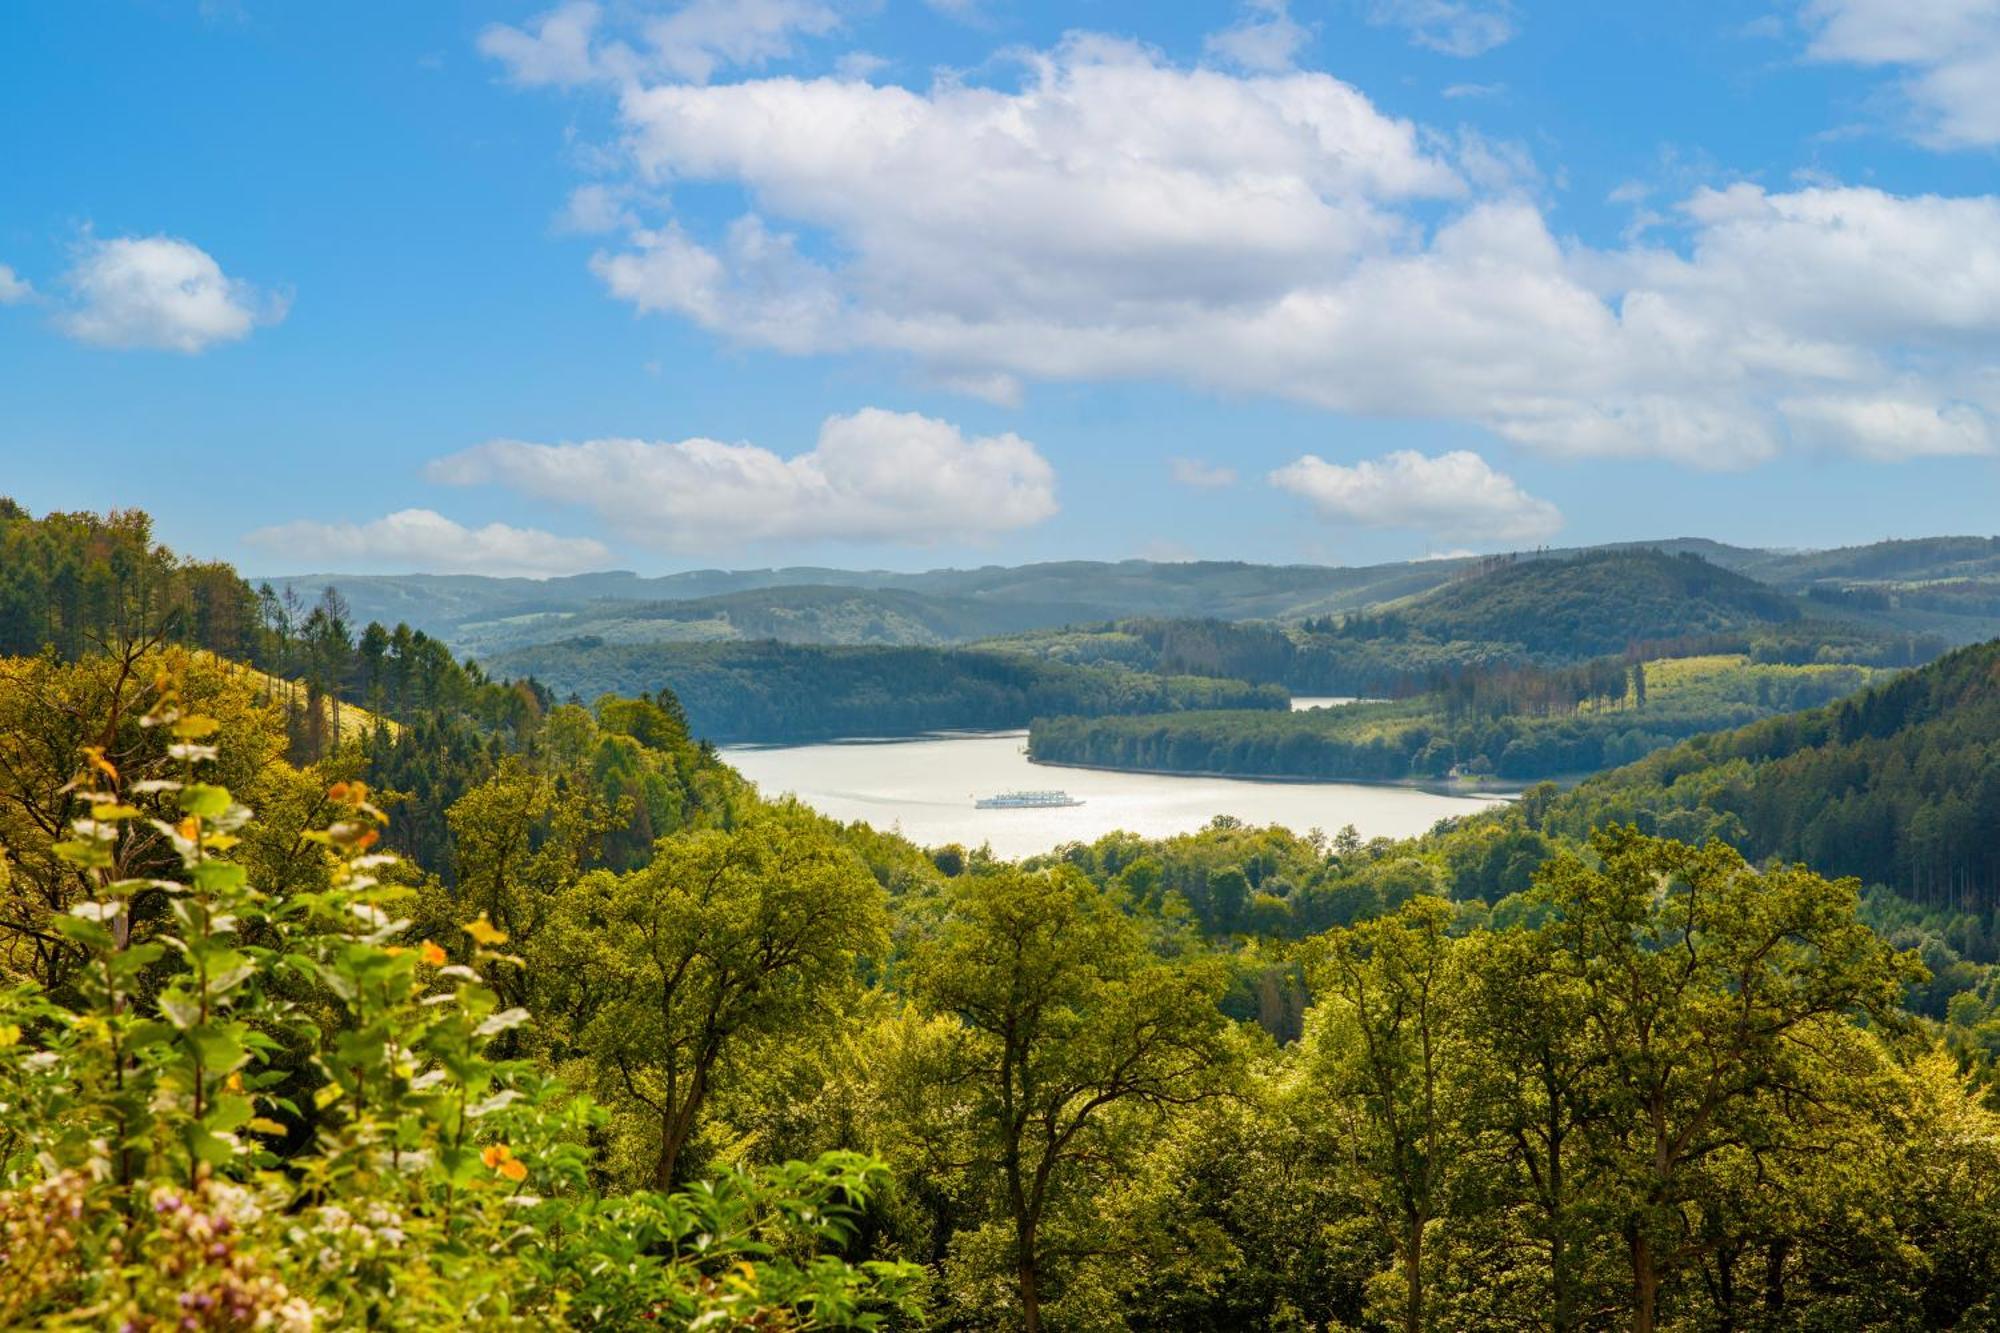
[(161, 1169)]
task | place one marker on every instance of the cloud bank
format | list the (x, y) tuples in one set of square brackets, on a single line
[(426, 541), (1277, 234), (873, 476)]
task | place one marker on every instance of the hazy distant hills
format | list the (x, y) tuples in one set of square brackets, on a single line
[(1944, 586), (809, 605)]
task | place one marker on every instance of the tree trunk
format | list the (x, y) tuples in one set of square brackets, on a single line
[(1030, 1280), (1413, 1278), (670, 1152), (1559, 1274), (1645, 1280), (1774, 1278)]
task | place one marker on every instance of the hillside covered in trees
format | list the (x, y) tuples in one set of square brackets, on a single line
[(1899, 785), (768, 691), (1498, 616), (1517, 724)]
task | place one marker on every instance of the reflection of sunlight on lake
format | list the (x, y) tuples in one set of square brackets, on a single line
[(926, 788)]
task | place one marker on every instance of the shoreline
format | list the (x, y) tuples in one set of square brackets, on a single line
[(1446, 788)]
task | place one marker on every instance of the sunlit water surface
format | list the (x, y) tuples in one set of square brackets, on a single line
[(925, 788)]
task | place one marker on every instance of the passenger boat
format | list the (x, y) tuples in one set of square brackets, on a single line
[(1026, 800)]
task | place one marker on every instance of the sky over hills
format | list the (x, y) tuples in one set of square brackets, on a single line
[(519, 289)]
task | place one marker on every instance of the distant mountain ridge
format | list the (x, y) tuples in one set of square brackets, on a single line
[(1948, 586)]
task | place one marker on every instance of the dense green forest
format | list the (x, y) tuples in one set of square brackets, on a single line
[(1498, 615), (774, 691), (1584, 606), (626, 1046), (1899, 785), (1519, 724)]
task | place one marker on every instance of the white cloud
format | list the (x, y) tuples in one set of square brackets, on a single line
[(426, 541), (156, 291), (1202, 476), (575, 43), (1117, 216), (1948, 52), (595, 209), (1452, 27), (1454, 495), (1111, 191), (554, 51), (1266, 38), (13, 287), (874, 476), (1890, 427), (1462, 90)]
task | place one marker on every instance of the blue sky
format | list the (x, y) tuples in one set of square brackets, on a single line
[(513, 288)]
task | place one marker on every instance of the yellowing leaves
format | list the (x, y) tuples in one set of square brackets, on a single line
[(484, 933), (93, 757)]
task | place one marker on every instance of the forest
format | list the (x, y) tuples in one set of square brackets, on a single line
[(1898, 785), (549, 1020), (772, 691), (1507, 614), (1511, 723)]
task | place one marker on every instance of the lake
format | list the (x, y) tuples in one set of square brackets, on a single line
[(925, 789)]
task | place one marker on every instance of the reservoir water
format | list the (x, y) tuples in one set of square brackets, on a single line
[(925, 789)]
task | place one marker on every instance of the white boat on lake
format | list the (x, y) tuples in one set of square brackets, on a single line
[(1027, 800)]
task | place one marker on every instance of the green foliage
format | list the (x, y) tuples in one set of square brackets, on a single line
[(1899, 786), (76, 583), (665, 977), (775, 691), (1511, 724), (1067, 1034), (165, 1163)]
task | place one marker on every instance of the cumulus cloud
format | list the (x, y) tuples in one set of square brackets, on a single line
[(1452, 27), (425, 541), (1202, 476), (13, 287), (1455, 495), (874, 476), (156, 291), (1947, 52), (1266, 38), (574, 43), (1278, 234)]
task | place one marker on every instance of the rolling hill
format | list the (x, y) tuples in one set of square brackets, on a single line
[(768, 692), (1898, 785)]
